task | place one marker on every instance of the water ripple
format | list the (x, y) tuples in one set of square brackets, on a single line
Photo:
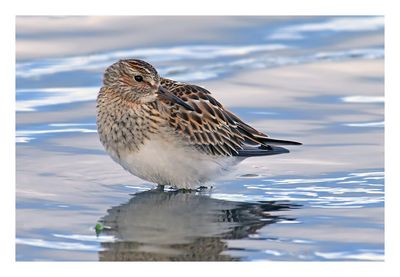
[(363, 99), (52, 96), (161, 54), (345, 24), (353, 190), (57, 244), (366, 124), (369, 255), (199, 62), (25, 136)]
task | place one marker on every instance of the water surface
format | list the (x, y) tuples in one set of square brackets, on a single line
[(318, 80)]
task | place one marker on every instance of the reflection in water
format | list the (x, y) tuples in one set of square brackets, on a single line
[(177, 226)]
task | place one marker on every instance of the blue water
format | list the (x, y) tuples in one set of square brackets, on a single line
[(318, 80)]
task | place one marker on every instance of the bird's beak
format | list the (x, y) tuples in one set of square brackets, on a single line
[(167, 95)]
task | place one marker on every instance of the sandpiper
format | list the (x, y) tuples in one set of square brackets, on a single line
[(172, 133)]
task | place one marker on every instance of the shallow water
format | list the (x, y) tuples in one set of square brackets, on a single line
[(318, 80)]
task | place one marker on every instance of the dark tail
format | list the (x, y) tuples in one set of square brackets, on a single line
[(261, 151), (272, 141)]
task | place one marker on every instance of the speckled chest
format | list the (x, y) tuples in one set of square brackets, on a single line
[(124, 126)]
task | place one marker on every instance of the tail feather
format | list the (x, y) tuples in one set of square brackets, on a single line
[(272, 141), (253, 135), (261, 151)]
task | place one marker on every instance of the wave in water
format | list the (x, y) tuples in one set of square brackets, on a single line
[(161, 54), (34, 98), (352, 190), (230, 59), (25, 136), (60, 245), (342, 24), (380, 124), (53, 96), (363, 99)]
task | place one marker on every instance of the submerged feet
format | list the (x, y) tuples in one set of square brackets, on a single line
[(183, 190)]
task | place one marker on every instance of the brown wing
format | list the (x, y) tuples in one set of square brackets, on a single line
[(210, 127)]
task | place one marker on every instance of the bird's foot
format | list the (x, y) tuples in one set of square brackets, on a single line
[(160, 188), (202, 188), (182, 190)]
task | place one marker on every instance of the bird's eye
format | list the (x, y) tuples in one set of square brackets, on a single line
[(138, 78)]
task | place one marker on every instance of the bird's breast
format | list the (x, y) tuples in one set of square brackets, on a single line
[(125, 128), (169, 162)]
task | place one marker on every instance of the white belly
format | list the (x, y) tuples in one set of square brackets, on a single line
[(167, 163)]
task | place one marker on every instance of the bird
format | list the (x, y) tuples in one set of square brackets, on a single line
[(172, 133)]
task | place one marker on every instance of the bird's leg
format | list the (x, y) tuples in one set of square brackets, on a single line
[(182, 190), (173, 188), (185, 190), (201, 188), (160, 187)]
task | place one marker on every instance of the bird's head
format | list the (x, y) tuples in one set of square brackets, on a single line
[(138, 81)]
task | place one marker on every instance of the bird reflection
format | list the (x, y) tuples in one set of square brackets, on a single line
[(177, 226)]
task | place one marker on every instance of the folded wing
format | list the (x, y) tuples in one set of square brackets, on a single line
[(214, 130)]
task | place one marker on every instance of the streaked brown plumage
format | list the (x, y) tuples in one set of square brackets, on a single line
[(141, 114)]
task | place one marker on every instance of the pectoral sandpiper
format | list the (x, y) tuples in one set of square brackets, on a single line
[(169, 132)]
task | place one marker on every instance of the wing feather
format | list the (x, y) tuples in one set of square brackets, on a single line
[(213, 129)]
